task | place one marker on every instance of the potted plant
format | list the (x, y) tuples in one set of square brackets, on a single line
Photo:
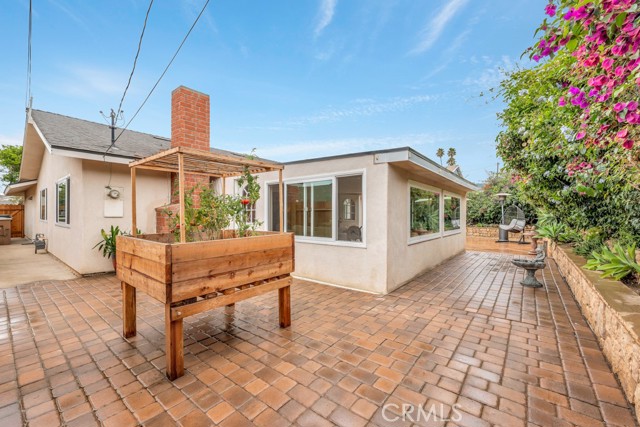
[(108, 243)]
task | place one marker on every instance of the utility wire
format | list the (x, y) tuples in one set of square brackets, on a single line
[(165, 70), (28, 93), (135, 60)]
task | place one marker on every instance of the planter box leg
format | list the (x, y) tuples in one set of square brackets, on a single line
[(128, 310), (174, 345), (284, 300)]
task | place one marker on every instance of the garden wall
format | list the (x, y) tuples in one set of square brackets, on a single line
[(613, 312), (488, 231)]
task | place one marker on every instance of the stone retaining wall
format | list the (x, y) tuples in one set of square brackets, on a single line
[(489, 231), (613, 312)]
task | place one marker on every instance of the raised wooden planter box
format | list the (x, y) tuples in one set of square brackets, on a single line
[(190, 278)]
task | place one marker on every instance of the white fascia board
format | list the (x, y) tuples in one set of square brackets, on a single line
[(56, 151), (40, 134), (413, 157)]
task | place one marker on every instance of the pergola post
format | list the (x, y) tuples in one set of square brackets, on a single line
[(183, 231), (128, 291)]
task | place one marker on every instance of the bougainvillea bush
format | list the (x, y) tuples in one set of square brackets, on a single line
[(570, 128)]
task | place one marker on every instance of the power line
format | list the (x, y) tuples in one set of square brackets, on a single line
[(165, 70), (135, 60), (28, 93)]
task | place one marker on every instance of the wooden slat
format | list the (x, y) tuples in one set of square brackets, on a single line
[(222, 300), (128, 310), (215, 248), (134, 220), (155, 156), (207, 267), (146, 284), (202, 286), (154, 251), (181, 177), (155, 270)]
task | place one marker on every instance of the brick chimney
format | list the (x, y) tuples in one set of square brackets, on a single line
[(189, 128)]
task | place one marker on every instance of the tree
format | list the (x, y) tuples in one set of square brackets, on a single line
[(451, 161), (440, 153), (10, 157)]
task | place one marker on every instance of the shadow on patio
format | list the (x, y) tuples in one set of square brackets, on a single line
[(464, 341)]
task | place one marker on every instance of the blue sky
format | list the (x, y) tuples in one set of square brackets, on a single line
[(294, 79)]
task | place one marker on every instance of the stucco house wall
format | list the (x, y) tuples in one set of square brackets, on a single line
[(73, 244), (408, 259), (356, 265)]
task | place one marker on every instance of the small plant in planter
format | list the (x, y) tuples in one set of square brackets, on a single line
[(618, 263), (108, 243)]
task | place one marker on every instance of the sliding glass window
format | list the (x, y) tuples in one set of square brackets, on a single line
[(309, 209)]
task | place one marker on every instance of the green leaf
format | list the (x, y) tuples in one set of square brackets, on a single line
[(620, 19), (572, 45)]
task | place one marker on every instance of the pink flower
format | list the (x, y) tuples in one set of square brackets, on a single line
[(619, 71), (550, 9), (607, 63), (618, 107), (628, 144), (632, 106), (622, 133), (581, 134), (562, 102)]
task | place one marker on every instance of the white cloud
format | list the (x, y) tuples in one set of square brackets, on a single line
[(86, 81), (431, 32), (491, 76), (327, 9), (362, 107)]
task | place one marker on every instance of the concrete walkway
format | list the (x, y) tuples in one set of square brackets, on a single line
[(464, 343), (19, 264)]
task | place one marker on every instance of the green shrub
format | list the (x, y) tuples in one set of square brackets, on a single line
[(592, 240), (616, 263)]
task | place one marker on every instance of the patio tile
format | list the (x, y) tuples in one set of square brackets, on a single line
[(464, 337)]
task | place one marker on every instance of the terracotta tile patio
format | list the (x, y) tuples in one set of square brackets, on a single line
[(464, 341)]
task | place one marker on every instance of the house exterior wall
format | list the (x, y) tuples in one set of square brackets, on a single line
[(354, 265), (62, 239), (153, 189), (406, 260), (73, 244)]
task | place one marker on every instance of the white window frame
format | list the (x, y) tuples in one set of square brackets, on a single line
[(250, 208), (419, 239), (67, 180), (458, 230), (46, 204), (333, 177)]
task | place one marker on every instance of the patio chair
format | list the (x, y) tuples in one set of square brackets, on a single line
[(40, 243), (514, 221)]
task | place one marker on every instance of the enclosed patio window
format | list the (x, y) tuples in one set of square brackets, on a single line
[(43, 204), (424, 212), (451, 213), (309, 208), (62, 201), (350, 208)]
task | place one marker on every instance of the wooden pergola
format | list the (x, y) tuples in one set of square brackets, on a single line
[(184, 160)]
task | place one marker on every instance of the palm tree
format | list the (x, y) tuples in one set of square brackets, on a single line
[(440, 153), (451, 161)]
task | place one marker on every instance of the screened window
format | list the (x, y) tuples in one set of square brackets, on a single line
[(309, 208), (350, 219), (424, 211), (62, 201), (43, 204), (451, 213)]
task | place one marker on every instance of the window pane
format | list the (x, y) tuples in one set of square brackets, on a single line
[(43, 204), (321, 209), (451, 213), (62, 201), (295, 209), (425, 212), (274, 207), (350, 208)]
